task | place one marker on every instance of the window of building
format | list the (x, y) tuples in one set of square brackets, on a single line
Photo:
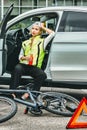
[(7, 4), (73, 22), (41, 3), (84, 2), (21, 6)]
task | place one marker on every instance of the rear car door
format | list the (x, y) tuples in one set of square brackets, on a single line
[(69, 48), (3, 50)]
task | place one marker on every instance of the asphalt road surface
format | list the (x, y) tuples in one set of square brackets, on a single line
[(46, 121)]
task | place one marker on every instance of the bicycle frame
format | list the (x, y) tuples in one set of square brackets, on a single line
[(57, 103), (32, 96)]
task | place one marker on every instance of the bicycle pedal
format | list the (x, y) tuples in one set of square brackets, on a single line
[(71, 108)]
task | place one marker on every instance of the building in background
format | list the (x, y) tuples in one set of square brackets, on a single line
[(21, 6)]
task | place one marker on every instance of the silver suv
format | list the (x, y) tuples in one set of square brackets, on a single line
[(65, 61)]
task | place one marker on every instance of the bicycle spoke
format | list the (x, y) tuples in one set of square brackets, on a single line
[(59, 103)]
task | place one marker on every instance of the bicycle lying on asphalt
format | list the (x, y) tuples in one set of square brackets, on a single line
[(54, 102)]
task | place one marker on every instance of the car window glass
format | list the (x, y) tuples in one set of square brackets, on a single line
[(73, 22), (50, 20)]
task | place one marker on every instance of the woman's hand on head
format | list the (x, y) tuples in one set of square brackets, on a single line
[(42, 25), (47, 30)]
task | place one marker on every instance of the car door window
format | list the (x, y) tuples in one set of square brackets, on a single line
[(73, 22), (49, 18)]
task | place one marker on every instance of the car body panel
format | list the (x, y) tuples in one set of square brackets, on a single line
[(70, 63)]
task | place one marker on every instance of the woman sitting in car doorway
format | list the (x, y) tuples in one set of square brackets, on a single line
[(31, 58)]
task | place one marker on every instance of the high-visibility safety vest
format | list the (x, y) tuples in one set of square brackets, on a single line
[(36, 52)]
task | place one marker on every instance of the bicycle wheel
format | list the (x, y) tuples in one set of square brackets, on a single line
[(8, 108), (59, 103)]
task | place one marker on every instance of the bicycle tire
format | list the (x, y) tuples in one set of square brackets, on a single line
[(59, 103), (8, 108)]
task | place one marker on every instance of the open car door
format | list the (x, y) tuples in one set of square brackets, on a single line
[(3, 49)]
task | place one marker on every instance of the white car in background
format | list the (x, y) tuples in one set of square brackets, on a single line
[(65, 61)]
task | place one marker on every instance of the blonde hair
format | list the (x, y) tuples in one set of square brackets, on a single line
[(39, 25)]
